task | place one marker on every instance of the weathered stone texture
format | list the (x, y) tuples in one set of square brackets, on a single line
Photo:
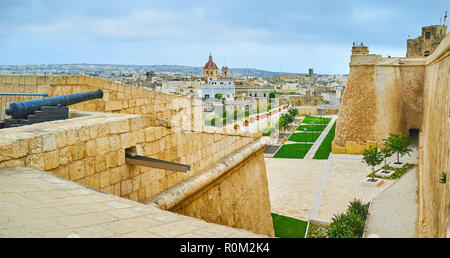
[(435, 145), (381, 97), (393, 95), (239, 198), (358, 110), (90, 147)]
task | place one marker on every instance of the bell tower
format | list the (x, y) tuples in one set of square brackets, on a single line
[(224, 72)]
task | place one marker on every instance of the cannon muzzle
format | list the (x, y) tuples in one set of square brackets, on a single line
[(25, 108)]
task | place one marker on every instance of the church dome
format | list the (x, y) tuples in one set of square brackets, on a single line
[(210, 64)]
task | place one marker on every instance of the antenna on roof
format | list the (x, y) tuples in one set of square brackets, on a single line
[(445, 16)]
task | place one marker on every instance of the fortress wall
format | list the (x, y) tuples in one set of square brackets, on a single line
[(240, 198), (435, 145), (117, 98), (396, 95), (412, 79), (358, 111), (380, 98), (91, 150)]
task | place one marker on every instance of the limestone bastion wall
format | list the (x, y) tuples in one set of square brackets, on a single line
[(242, 190), (386, 95), (89, 148), (435, 145), (382, 96)]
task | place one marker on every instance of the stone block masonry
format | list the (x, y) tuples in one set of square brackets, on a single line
[(391, 95), (225, 193), (89, 148), (40, 205)]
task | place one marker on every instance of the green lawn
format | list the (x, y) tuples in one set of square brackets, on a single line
[(292, 151), (311, 127), (286, 227), (316, 120), (302, 137), (325, 147)]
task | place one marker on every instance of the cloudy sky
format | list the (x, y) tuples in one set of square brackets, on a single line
[(288, 36)]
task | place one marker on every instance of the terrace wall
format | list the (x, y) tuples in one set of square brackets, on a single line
[(89, 148)]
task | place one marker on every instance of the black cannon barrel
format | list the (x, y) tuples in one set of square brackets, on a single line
[(25, 108)]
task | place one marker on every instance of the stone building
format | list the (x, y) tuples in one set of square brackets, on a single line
[(427, 42), (211, 71), (216, 83)]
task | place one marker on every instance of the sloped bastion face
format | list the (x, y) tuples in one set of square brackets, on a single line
[(391, 95), (89, 148)]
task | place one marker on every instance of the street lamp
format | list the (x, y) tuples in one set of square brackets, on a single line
[(304, 129), (317, 128)]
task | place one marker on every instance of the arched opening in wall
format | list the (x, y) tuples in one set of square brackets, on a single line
[(414, 133), (427, 53)]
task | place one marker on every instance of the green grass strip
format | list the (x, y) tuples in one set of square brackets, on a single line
[(304, 137), (311, 127), (316, 120), (287, 227), (292, 151), (323, 152)]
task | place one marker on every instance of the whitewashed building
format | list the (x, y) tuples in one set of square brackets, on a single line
[(213, 87)]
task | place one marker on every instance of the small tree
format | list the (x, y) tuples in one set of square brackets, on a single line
[(372, 157), (398, 143), (287, 119), (293, 112), (218, 95), (386, 153)]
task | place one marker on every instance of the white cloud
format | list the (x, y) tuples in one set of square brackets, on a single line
[(371, 14)]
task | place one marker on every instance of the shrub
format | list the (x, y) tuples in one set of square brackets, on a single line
[(293, 112), (349, 224), (357, 207), (339, 227), (266, 131)]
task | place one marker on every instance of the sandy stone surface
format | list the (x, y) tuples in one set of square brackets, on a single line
[(394, 212), (38, 204), (293, 184), (344, 185)]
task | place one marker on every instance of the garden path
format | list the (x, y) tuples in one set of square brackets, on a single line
[(319, 140)]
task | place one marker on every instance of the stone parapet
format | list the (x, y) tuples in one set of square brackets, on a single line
[(173, 196)]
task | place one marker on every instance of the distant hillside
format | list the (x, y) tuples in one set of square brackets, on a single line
[(92, 68)]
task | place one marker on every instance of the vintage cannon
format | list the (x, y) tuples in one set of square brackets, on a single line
[(45, 109), (25, 108)]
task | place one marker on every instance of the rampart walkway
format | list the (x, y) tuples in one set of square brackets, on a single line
[(39, 204)]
